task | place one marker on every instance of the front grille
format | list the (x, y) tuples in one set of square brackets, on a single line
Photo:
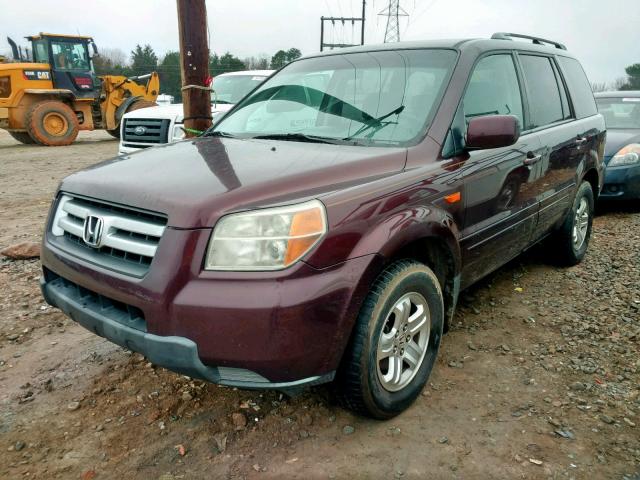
[(149, 131), (120, 312), (128, 239)]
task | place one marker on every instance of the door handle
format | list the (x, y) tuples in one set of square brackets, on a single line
[(532, 159)]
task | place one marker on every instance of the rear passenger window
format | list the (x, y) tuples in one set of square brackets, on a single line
[(493, 89), (545, 103), (581, 94)]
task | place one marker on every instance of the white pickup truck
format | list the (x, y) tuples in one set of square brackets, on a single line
[(149, 127)]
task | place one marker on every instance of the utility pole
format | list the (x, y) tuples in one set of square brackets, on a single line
[(194, 65), (393, 12), (333, 21), (364, 4)]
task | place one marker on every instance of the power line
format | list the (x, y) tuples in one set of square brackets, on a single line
[(422, 12), (343, 20)]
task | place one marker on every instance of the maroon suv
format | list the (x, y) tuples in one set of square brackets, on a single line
[(323, 230)]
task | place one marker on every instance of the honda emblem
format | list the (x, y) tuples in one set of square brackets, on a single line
[(92, 232)]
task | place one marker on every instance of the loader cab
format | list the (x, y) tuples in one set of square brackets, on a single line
[(70, 61)]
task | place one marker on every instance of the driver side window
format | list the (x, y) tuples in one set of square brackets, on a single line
[(493, 89)]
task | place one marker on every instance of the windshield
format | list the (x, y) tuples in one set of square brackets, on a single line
[(70, 55), (385, 97), (232, 88), (620, 113)]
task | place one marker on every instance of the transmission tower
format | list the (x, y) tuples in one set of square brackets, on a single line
[(393, 12)]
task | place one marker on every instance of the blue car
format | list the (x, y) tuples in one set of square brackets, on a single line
[(621, 111)]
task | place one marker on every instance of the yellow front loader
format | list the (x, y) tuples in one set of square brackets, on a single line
[(49, 100)]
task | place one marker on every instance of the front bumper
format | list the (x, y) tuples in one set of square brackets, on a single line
[(277, 330), (178, 354), (621, 183)]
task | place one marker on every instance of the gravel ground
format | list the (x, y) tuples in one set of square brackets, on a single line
[(539, 377)]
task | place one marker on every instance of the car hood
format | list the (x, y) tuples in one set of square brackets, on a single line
[(174, 111), (196, 181), (618, 139)]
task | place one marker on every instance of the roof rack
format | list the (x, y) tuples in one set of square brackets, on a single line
[(536, 40)]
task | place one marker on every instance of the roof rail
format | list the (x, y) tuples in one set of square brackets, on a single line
[(536, 40)]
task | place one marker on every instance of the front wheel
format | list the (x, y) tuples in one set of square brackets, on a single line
[(23, 137), (395, 342), (575, 233), (115, 133)]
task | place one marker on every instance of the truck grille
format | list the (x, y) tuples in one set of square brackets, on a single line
[(114, 237), (146, 132)]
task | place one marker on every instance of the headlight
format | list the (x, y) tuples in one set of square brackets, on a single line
[(178, 133), (269, 239), (629, 155)]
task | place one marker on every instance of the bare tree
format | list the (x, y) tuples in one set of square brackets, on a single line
[(618, 83), (598, 86), (114, 55), (259, 62)]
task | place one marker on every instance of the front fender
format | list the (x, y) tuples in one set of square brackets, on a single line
[(378, 228), (408, 226)]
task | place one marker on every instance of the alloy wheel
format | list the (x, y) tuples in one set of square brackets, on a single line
[(581, 224), (403, 341)]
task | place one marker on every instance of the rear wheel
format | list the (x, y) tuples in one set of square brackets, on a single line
[(52, 123), (23, 137), (575, 233), (395, 342)]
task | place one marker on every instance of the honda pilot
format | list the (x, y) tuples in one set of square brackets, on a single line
[(323, 230)]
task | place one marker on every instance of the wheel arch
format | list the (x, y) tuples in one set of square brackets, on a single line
[(441, 253), (593, 178)]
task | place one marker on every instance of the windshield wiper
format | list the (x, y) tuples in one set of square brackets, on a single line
[(218, 133), (297, 137), (375, 123)]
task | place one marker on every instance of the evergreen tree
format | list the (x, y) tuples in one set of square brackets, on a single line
[(143, 60)]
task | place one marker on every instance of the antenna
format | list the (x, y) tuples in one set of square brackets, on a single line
[(393, 12)]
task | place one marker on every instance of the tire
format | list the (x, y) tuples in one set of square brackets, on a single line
[(23, 137), (115, 133), (365, 382), (140, 104), (572, 240), (52, 123)]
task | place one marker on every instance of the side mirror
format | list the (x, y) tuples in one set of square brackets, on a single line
[(492, 131)]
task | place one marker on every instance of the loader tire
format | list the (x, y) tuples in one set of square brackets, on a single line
[(115, 133), (140, 104), (52, 123), (23, 137)]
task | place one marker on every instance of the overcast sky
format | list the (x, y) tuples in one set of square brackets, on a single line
[(604, 34)]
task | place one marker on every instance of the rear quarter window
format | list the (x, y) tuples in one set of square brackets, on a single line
[(584, 104)]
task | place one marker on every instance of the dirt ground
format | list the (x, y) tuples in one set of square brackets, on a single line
[(539, 377)]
